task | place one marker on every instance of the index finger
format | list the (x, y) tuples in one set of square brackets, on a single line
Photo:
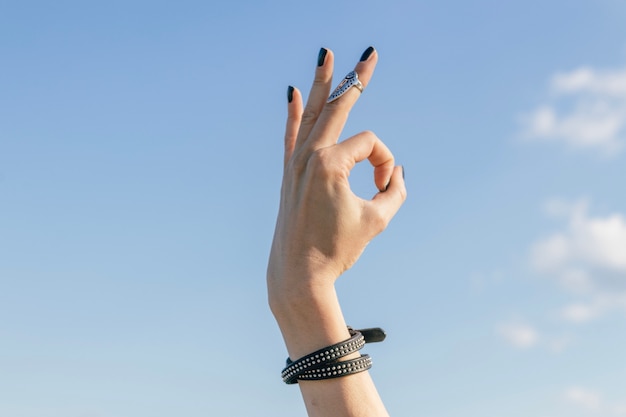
[(368, 145), (331, 121)]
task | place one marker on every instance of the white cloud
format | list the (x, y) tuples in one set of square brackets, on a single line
[(619, 410), (519, 334), (580, 313), (587, 110), (599, 304), (582, 397), (587, 258), (598, 242), (588, 80), (593, 402), (551, 252)]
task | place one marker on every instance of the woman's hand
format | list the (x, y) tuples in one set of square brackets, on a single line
[(322, 226)]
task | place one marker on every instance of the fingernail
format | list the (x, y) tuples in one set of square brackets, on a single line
[(402, 171), (367, 53), (387, 186), (289, 94), (321, 57)]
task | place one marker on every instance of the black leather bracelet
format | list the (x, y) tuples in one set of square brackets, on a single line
[(323, 356), (324, 363)]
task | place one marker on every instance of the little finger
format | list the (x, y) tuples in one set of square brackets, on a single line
[(294, 117)]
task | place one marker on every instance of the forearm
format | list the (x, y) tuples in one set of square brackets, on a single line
[(311, 319)]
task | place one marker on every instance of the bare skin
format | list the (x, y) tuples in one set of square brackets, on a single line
[(322, 229)]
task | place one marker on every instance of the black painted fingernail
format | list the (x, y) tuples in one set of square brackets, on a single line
[(289, 94), (367, 53), (402, 171), (321, 57)]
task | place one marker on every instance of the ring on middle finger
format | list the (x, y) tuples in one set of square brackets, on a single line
[(350, 80)]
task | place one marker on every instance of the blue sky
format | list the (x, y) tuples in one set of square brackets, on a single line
[(140, 163)]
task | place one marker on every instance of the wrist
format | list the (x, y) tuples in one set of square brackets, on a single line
[(296, 287), (309, 318)]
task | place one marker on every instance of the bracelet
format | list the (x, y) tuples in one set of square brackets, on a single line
[(323, 356), (324, 363)]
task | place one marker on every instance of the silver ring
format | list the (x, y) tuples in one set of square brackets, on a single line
[(350, 80)]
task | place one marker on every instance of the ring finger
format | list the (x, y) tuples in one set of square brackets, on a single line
[(318, 95)]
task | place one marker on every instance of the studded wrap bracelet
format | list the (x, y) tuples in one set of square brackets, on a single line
[(325, 364)]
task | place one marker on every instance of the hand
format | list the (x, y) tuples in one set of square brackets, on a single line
[(322, 226)]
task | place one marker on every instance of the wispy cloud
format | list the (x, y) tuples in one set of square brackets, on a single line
[(583, 397), (588, 258), (593, 402), (588, 80), (586, 110), (519, 334)]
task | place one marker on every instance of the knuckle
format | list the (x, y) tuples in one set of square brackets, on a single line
[(377, 222), (370, 135), (320, 80), (294, 117), (371, 138), (403, 193), (297, 162), (322, 164), (309, 116), (337, 105)]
